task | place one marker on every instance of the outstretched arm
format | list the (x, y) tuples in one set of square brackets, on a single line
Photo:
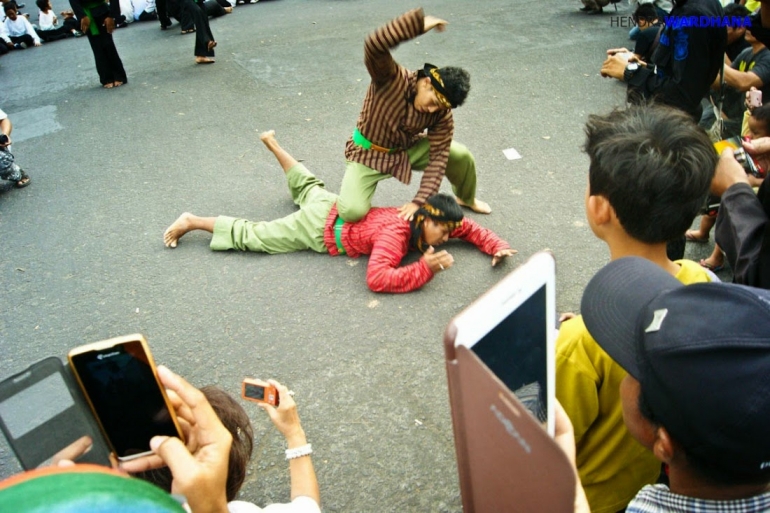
[(484, 239)]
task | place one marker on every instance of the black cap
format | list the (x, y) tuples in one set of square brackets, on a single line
[(701, 354)]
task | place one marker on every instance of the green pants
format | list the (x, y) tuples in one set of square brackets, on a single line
[(301, 230), (360, 181)]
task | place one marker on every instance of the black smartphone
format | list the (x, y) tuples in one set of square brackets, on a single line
[(120, 382)]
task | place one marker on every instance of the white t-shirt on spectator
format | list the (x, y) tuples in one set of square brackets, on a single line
[(20, 26), (45, 20)]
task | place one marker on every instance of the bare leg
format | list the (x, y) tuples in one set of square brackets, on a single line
[(186, 223), (703, 231), (715, 261), (284, 159)]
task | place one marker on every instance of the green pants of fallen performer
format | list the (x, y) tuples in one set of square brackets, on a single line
[(360, 181), (304, 229)]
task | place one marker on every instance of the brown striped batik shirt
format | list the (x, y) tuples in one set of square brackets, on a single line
[(388, 117)]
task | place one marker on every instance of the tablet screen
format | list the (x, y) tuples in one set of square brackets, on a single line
[(516, 349)]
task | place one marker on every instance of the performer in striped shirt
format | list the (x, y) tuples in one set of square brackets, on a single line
[(389, 138), (381, 233)]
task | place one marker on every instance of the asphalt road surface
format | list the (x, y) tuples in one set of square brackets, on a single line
[(81, 252)]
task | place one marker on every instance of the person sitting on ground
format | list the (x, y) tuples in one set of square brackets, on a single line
[(217, 8), (47, 21), (381, 233), (237, 422), (650, 27), (199, 470), (9, 170), (144, 10), (389, 138), (649, 174), (756, 124), (751, 68), (660, 9), (20, 31), (6, 45), (683, 66), (736, 40), (695, 391)]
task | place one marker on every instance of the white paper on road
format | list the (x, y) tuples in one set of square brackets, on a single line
[(511, 154)]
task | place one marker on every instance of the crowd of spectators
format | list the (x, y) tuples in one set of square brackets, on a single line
[(667, 412)]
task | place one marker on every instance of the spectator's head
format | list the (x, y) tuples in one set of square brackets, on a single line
[(83, 488), (43, 5), (645, 15), (11, 10), (759, 122), (650, 172), (237, 422), (441, 88), (434, 221), (697, 389), (735, 31)]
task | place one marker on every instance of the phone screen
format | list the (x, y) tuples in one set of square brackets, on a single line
[(516, 352), (125, 395), (254, 391)]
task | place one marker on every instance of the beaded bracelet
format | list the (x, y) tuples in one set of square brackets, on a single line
[(298, 452)]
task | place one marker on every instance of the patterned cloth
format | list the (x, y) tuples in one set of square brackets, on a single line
[(384, 236), (388, 117), (659, 499)]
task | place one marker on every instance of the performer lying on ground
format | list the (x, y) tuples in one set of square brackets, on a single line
[(399, 106), (381, 233)]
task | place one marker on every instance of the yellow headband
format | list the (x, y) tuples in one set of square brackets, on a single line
[(441, 98)]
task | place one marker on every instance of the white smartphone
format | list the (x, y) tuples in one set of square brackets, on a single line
[(512, 330), (120, 382)]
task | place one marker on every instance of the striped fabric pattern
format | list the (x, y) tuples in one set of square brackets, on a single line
[(384, 236), (388, 117)]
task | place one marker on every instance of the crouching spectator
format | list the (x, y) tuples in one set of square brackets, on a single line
[(9, 170), (20, 31)]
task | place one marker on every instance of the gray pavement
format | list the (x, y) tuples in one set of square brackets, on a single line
[(81, 253)]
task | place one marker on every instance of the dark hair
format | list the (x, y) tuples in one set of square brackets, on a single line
[(457, 83), (450, 213), (654, 165), (703, 467), (10, 6), (762, 114), (237, 422), (645, 12), (42, 4), (733, 9)]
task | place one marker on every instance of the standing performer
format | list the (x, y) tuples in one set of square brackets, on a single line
[(399, 105), (97, 21), (191, 10)]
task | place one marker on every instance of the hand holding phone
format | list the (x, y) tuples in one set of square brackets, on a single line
[(120, 382), (199, 473), (754, 97)]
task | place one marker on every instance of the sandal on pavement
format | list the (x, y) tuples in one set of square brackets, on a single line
[(25, 180), (711, 267)]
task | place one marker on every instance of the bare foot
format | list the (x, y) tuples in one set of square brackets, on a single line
[(478, 206), (228, 10), (175, 232), (212, 44), (204, 60), (109, 86), (267, 137), (117, 84), (695, 236)]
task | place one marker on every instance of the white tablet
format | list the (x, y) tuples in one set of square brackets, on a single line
[(512, 330)]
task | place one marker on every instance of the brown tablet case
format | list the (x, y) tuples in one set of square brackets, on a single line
[(507, 462)]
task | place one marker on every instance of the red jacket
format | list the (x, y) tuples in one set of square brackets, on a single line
[(384, 236)]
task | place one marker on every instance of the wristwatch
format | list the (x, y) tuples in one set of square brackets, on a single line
[(631, 69)]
